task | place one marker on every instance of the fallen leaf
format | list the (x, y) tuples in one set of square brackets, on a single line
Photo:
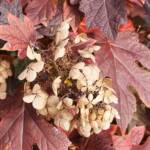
[(21, 128), (101, 141), (72, 13), (74, 2), (18, 34), (145, 146), (41, 11), (11, 7), (118, 61), (106, 14), (127, 142)]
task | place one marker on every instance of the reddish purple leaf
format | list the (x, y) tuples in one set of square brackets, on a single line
[(127, 142), (41, 11), (71, 12), (136, 135), (106, 14), (20, 129), (18, 34), (121, 143), (118, 61), (145, 146), (11, 7)]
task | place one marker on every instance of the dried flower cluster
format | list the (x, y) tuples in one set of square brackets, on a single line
[(5, 72), (82, 100)]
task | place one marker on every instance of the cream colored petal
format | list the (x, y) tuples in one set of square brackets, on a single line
[(2, 79), (105, 125), (81, 38), (63, 43), (98, 99), (79, 65), (106, 115), (68, 101), (52, 111), (3, 87), (91, 72), (52, 100), (75, 74), (3, 95), (56, 85), (2, 68), (39, 102), (87, 54), (43, 94), (59, 52), (37, 66), (90, 97), (31, 75), (62, 32), (64, 124), (43, 112), (66, 115), (29, 98), (95, 127), (113, 99), (85, 130), (30, 53), (22, 76), (36, 88)]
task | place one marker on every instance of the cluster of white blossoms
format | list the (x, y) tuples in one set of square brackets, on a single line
[(5, 72), (30, 73), (90, 113), (85, 103)]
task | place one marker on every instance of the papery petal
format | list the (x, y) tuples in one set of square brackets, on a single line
[(87, 54), (31, 75), (3, 87), (22, 76), (52, 100), (56, 85), (30, 53), (60, 52), (36, 88), (29, 98), (39, 102), (37, 66), (3, 95)]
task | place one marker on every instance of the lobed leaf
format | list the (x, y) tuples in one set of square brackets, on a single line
[(105, 14), (118, 61), (18, 34), (41, 12), (20, 129)]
